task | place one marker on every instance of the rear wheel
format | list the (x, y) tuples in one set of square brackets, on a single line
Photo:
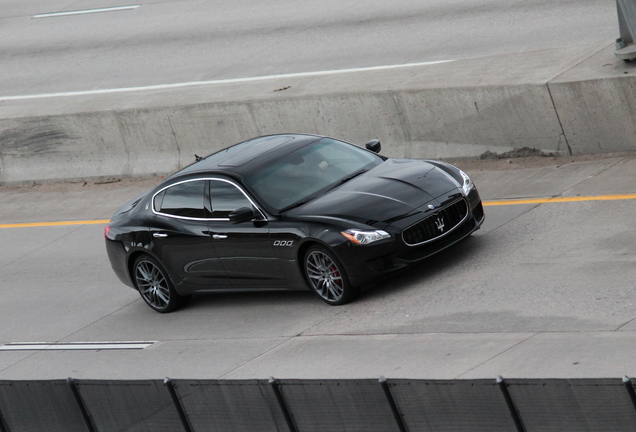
[(326, 276), (155, 286)]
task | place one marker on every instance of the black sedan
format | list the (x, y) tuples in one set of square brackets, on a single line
[(288, 212)]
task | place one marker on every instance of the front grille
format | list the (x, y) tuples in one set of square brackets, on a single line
[(436, 225)]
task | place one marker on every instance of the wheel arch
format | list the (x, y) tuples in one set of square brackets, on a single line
[(132, 257), (333, 277), (306, 245), (300, 258)]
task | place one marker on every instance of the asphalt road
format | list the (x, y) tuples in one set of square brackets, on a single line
[(544, 289), (173, 41)]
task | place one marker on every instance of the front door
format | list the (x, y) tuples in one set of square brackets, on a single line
[(245, 249)]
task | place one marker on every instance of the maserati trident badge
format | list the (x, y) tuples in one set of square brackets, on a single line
[(440, 223)]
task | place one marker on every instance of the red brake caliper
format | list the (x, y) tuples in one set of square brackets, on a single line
[(335, 271)]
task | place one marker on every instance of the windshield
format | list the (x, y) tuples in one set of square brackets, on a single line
[(304, 173)]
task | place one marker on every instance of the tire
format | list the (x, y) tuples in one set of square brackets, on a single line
[(326, 276), (155, 287)]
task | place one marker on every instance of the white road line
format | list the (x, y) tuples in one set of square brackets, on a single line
[(87, 11), (224, 81), (40, 346)]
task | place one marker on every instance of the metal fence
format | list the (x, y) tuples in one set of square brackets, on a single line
[(318, 405)]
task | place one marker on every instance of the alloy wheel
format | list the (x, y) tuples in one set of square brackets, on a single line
[(152, 284), (324, 276)]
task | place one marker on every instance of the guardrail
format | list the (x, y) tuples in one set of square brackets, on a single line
[(367, 405)]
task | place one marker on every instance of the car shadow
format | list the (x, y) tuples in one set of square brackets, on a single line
[(249, 299), (438, 264)]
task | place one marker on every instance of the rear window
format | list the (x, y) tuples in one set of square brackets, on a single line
[(183, 200)]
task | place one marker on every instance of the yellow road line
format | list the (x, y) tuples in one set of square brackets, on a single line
[(486, 203), (62, 223), (560, 200)]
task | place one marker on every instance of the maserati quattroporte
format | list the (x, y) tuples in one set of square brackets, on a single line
[(288, 212)]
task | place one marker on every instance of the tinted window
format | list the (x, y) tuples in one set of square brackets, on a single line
[(184, 199), (226, 198), (306, 172)]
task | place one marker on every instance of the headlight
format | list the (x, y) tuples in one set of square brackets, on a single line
[(467, 183), (363, 237)]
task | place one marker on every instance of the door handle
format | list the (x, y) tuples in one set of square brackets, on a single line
[(219, 236), (159, 235)]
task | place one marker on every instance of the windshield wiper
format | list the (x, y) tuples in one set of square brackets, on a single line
[(297, 204), (340, 182), (349, 177)]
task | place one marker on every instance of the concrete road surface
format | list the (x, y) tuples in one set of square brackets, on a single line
[(545, 289), (115, 43)]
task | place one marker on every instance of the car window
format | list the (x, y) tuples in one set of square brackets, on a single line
[(226, 198), (184, 199), (309, 170)]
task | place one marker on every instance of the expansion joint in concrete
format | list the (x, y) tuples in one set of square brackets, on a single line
[(556, 112), (174, 136), (400, 116)]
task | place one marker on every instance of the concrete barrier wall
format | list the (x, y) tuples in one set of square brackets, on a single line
[(598, 116), (571, 105), (595, 102)]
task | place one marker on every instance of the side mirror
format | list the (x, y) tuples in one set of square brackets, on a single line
[(244, 214), (374, 145)]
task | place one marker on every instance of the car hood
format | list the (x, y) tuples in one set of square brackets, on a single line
[(389, 192)]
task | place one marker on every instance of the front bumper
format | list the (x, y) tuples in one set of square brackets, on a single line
[(370, 264)]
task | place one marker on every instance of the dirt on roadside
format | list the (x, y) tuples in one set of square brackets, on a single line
[(83, 185), (517, 159), (527, 158)]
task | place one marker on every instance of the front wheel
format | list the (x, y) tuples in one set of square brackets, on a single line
[(327, 278), (155, 287)]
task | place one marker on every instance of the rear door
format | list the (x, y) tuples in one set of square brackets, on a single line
[(181, 237)]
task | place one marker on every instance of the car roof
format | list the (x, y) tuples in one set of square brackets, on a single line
[(248, 156)]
